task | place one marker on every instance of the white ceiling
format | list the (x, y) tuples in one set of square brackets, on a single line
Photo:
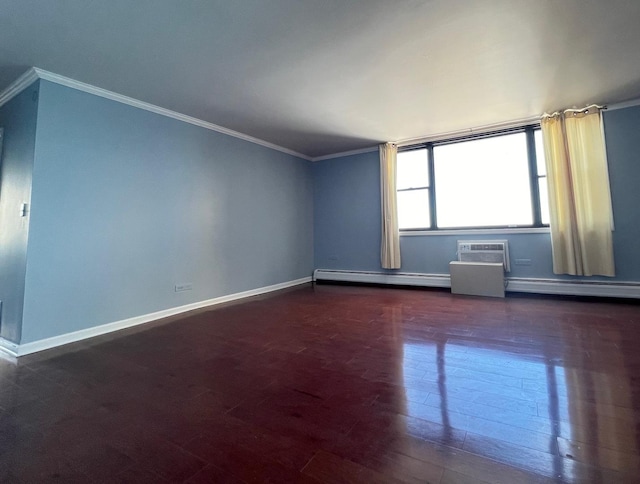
[(327, 76)]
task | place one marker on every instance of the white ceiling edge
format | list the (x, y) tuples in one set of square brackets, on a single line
[(36, 73)]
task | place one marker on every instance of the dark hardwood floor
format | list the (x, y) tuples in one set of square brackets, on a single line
[(337, 384)]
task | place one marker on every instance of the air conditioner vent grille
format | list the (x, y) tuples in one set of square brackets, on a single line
[(499, 247), (484, 251)]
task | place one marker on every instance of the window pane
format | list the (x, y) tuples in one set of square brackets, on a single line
[(544, 200), (542, 167), (413, 209), (483, 183), (413, 169)]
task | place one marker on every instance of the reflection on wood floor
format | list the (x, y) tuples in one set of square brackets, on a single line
[(337, 384)]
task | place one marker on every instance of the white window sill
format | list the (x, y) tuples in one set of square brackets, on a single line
[(515, 230)]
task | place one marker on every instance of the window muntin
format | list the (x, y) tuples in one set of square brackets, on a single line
[(485, 182), (542, 177)]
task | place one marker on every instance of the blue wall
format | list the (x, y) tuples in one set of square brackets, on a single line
[(127, 203), (346, 201), (347, 215), (622, 128), (18, 118)]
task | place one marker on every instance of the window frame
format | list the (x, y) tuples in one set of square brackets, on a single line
[(534, 178), (429, 187)]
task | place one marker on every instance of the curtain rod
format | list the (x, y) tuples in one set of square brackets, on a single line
[(491, 127), (574, 111), (462, 132)]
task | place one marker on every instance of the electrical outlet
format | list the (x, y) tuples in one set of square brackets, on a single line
[(187, 286), (523, 262)]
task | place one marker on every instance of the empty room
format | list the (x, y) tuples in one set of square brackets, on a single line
[(339, 241)]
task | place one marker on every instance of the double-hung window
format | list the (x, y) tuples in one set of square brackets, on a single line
[(490, 181)]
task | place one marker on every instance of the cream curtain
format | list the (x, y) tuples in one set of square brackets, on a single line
[(581, 218), (390, 249)]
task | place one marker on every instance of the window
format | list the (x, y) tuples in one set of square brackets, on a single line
[(494, 180)]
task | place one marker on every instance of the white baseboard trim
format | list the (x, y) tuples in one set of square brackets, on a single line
[(515, 284), (575, 288), (17, 350), (8, 348)]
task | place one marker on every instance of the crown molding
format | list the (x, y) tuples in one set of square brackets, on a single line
[(17, 86), (626, 104), (98, 91), (35, 73), (345, 153)]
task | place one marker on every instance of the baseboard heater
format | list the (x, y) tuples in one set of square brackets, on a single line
[(617, 289), (477, 278)]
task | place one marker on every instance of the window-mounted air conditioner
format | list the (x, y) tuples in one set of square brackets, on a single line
[(484, 251), (480, 268)]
